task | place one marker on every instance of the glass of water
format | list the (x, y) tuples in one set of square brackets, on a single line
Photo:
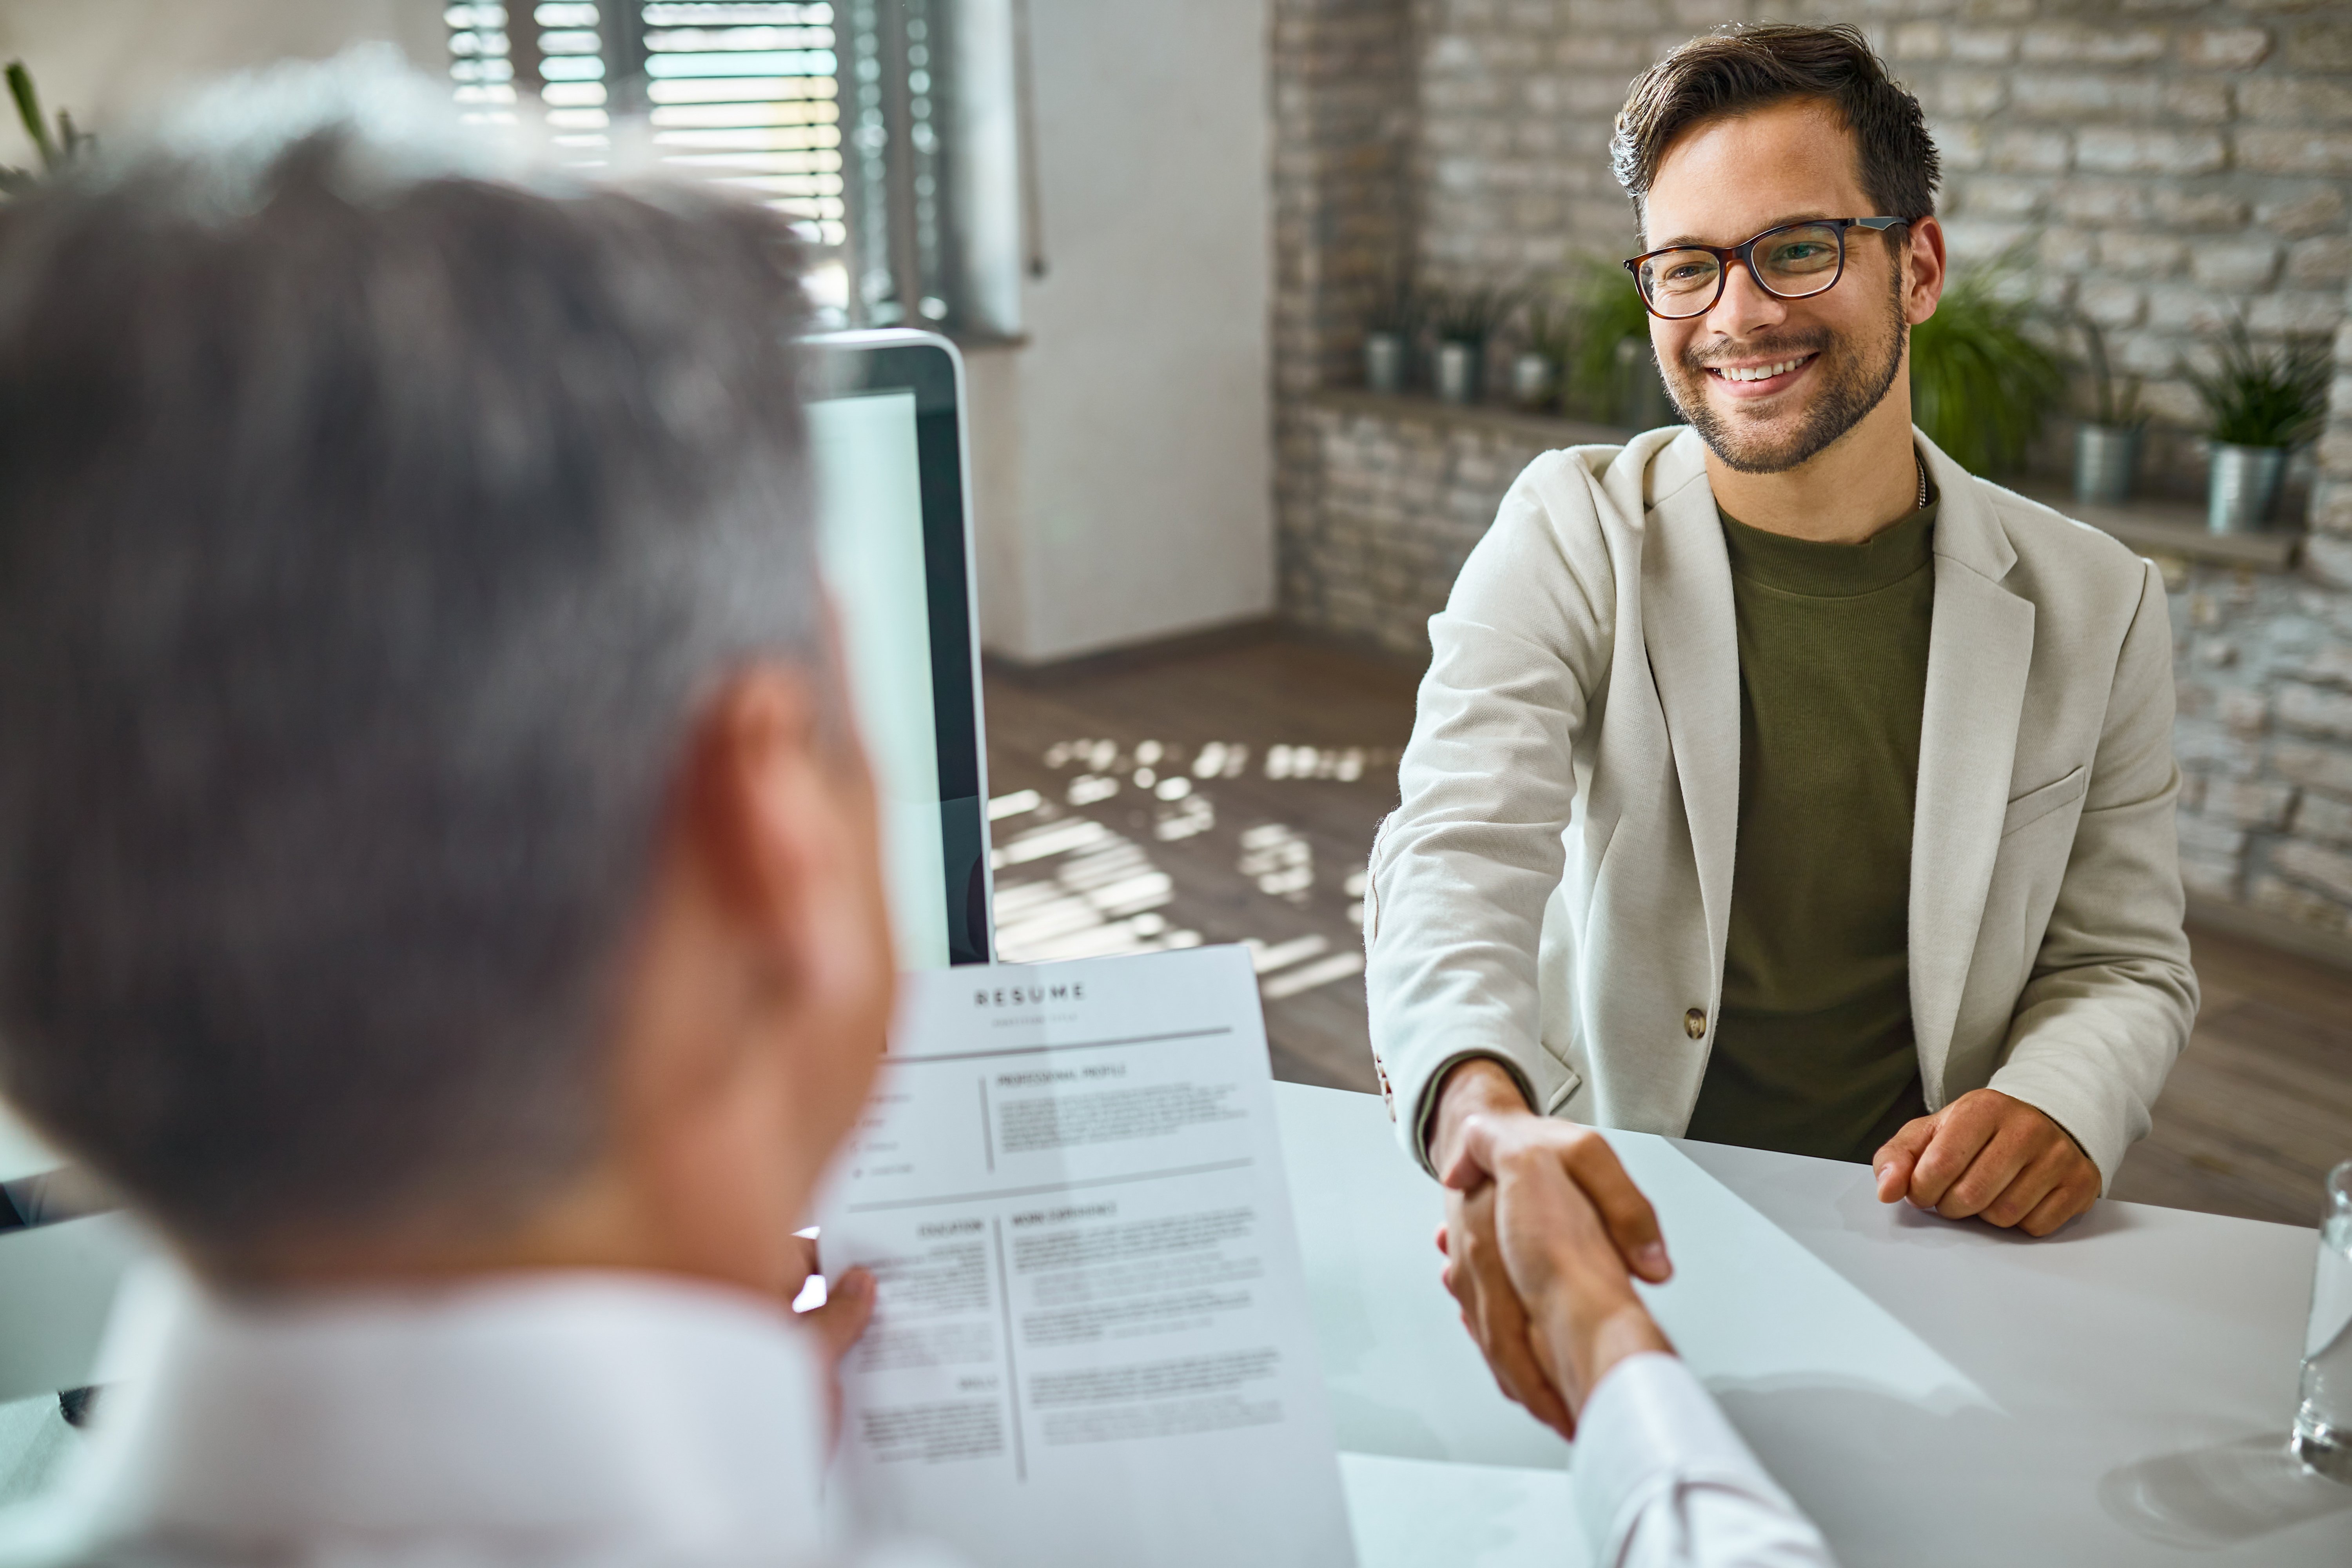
[(2323, 1425)]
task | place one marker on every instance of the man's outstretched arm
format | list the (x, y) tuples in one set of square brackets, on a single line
[(1462, 870), (1661, 1479)]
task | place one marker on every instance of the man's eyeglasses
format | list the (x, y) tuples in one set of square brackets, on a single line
[(1793, 261)]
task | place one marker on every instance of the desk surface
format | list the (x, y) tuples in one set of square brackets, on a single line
[(1931, 1392)]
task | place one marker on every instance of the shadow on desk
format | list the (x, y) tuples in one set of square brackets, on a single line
[(2219, 1496)]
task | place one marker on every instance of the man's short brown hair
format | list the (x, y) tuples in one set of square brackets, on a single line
[(1740, 69)]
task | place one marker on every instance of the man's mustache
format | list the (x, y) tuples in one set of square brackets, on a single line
[(1780, 346)]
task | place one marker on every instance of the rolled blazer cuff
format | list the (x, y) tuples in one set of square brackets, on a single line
[(1417, 1097), (2095, 1115)]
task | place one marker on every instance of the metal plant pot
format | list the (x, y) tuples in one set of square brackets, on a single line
[(2107, 462), (1532, 379), (1461, 371), (1643, 403), (1384, 362), (2244, 485)]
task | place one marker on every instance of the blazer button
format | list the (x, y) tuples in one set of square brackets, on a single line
[(1695, 1023)]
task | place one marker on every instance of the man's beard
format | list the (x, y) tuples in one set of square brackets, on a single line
[(1851, 388)]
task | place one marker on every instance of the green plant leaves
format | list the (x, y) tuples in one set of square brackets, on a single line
[(1980, 388), (2264, 397), (1471, 315)]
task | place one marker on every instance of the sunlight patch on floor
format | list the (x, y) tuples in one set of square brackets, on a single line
[(1069, 886)]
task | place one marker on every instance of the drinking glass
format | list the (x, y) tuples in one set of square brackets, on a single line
[(2323, 1423)]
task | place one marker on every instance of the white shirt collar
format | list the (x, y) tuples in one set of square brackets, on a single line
[(574, 1415)]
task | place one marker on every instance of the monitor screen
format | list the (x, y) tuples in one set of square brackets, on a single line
[(891, 540)]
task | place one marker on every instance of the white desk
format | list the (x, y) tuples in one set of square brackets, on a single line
[(1931, 1392)]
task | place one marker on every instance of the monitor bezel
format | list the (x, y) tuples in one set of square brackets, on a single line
[(862, 363)]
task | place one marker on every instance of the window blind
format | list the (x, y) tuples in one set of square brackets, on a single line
[(743, 94), (852, 116)]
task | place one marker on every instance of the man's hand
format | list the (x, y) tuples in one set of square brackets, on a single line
[(1561, 1262), (849, 1308), (1475, 1269), (1988, 1155)]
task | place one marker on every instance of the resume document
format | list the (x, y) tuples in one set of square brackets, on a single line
[(1090, 1342)]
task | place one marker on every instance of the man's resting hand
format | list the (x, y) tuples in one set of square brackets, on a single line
[(1479, 1094), (1988, 1155)]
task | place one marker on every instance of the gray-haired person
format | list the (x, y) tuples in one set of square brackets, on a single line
[(438, 879)]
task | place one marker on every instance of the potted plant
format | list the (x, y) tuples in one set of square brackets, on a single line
[(1388, 335), (69, 143), (2261, 403), (1612, 375), (1550, 342), (1982, 386), (2107, 444), (1465, 320)]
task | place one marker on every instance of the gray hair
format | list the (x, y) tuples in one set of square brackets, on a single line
[(372, 535)]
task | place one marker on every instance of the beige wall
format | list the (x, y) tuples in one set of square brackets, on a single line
[(113, 62), (1123, 484)]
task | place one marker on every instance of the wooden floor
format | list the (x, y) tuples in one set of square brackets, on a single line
[(1222, 796), (1231, 795), (2260, 1106)]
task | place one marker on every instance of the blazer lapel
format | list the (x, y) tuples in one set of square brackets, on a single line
[(1979, 648), (1689, 627)]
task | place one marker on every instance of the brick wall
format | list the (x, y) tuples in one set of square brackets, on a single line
[(2168, 161), (2264, 673), (1343, 90), (1401, 496)]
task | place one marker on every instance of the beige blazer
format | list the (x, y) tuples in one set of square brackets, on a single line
[(1555, 887)]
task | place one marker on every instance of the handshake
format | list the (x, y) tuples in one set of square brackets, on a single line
[(1545, 1232), (1544, 1236)]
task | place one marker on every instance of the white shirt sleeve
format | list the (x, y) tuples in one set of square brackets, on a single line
[(1661, 1481)]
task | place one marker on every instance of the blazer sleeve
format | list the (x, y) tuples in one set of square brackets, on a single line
[(2111, 997), (1462, 871)]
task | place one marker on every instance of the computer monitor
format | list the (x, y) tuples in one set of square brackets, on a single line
[(886, 426)]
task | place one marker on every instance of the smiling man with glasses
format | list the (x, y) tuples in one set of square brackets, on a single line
[(1776, 781)]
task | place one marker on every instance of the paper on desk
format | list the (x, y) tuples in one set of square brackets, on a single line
[(1421, 1513), (1090, 1341)]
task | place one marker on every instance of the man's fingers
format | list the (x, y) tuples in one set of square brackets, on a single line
[(1625, 1214), (1487, 1144), (1513, 1363), (1473, 1154), (2068, 1199), (2004, 1156), (2042, 1175), (1962, 1132), (1491, 1309), (1899, 1157), (849, 1308)]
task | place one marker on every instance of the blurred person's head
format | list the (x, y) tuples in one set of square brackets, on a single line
[(1737, 135), (431, 834)]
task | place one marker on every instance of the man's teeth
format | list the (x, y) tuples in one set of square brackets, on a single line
[(1763, 371)]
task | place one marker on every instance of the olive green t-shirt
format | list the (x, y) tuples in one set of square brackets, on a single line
[(1813, 1052)]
